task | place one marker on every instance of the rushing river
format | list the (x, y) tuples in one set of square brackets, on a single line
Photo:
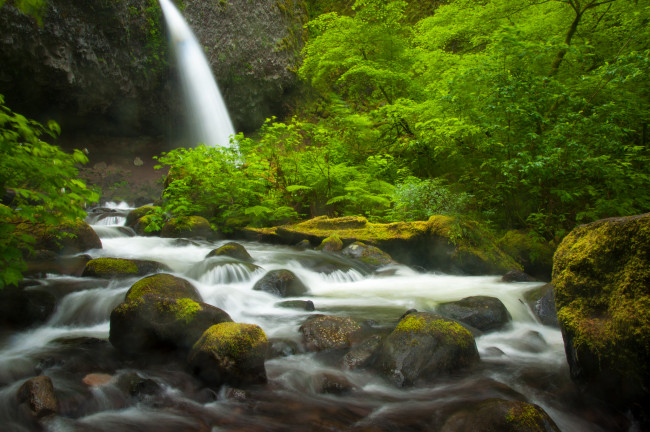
[(525, 360)]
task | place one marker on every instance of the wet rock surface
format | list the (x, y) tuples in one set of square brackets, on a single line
[(480, 312), (283, 283)]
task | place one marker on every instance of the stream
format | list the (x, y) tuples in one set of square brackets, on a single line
[(525, 361)]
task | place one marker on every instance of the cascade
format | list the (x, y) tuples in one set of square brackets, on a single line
[(210, 121)]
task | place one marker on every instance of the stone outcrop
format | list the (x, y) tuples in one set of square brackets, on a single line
[(601, 276)]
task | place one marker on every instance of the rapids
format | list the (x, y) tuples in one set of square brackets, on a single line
[(525, 360)]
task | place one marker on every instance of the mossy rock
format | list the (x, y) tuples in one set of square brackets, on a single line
[(329, 332), (69, 237), (121, 267), (332, 243), (424, 346), (165, 285), (535, 255), (153, 321), (601, 276), (187, 227), (370, 256), (233, 250), (480, 312), (283, 283), (230, 353), (441, 243), (141, 225), (500, 415), (136, 214)]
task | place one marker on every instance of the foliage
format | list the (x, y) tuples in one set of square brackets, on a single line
[(40, 186)]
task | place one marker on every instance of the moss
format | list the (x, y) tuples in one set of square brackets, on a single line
[(525, 417), (234, 340), (111, 266), (332, 243), (601, 276), (134, 215), (185, 309), (163, 284), (449, 331)]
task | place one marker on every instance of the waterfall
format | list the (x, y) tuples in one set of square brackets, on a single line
[(210, 121)]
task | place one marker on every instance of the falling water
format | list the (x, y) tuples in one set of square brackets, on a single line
[(209, 115)]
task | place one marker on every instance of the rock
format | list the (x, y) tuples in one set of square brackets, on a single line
[(141, 225), (120, 267), (370, 256), (233, 250), (214, 271), (329, 383), (533, 253), (152, 322), (96, 379), (41, 262), (230, 353), (22, 308), (67, 238), (517, 276), (283, 283), (38, 394), (306, 305), (480, 312), (165, 285), (329, 332), (187, 227), (332, 243), (361, 355), (136, 214), (282, 348), (601, 276), (542, 302), (531, 341), (422, 347), (135, 385), (500, 415)]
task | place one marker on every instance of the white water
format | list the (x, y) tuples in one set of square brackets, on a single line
[(208, 114), (523, 348)]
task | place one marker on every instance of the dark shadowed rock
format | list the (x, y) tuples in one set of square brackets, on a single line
[(517, 276), (306, 305), (283, 283), (481, 312)]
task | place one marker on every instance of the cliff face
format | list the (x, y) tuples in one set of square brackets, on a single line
[(103, 66)]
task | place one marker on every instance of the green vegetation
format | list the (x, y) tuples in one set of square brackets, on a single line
[(39, 185), (526, 115)]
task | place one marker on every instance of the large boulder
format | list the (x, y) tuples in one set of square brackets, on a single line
[(480, 312), (500, 415), (601, 276), (165, 285), (153, 321), (135, 215), (424, 346), (69, 237), (330, 332), (231, 353), (283, 283), (121, 267), (187, 227)]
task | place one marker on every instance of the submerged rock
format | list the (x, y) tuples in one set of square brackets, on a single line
[(165, 285), (121, 267), (601, 276), (329, 332), (152, 322), (500, 415), (306, 305), (39, 397), (231, 353), (542, 302), (233, 250), (283, 283), (481, 312), (424, 346)]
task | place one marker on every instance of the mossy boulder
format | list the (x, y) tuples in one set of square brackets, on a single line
[(121, 267), (141, 225), (230, 353), (484, 313), (283, 283), (422, 347), (332, 243), (153, 322), (533, 253), (69, 237), (441, 243), (329, 332), (500, 415), (187, 227), (136, 214), (601, 276), (233, 250), (370, 256), (165, 285)]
